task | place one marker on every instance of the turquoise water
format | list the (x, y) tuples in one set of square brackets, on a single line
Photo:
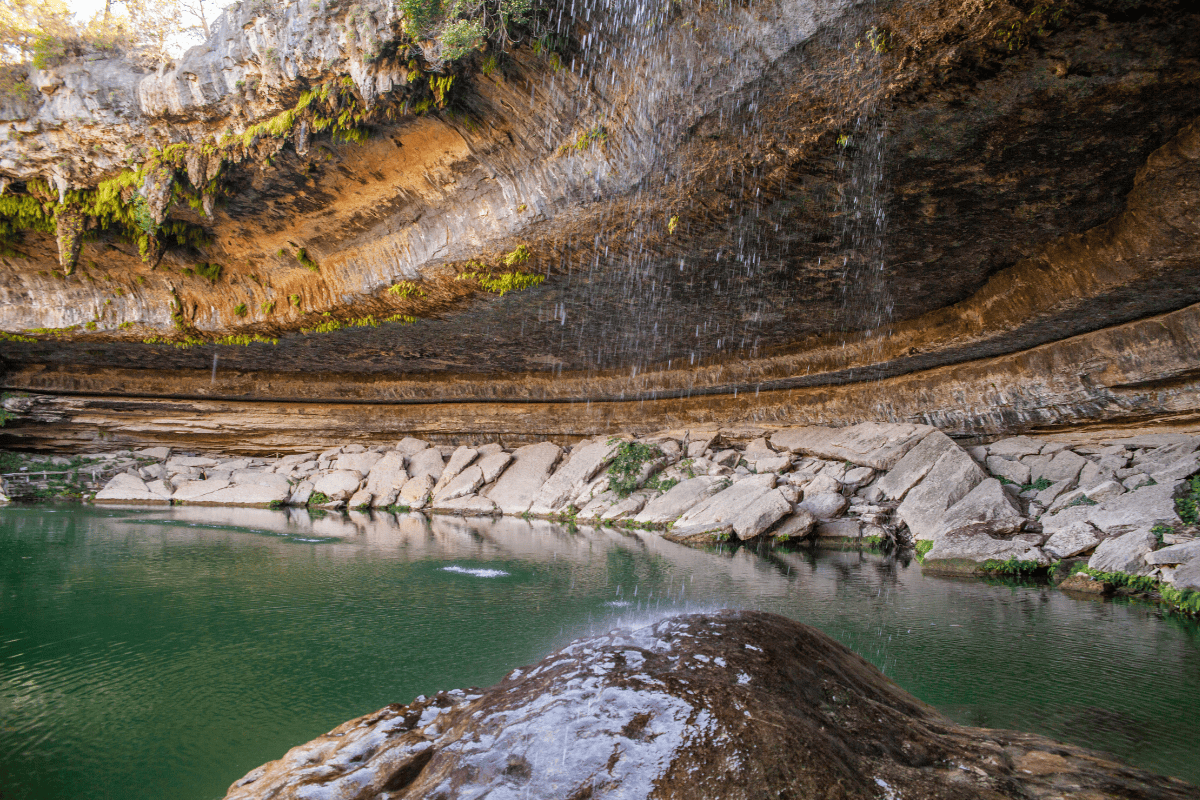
[(164, 653)]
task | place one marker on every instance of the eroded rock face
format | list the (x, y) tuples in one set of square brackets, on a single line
[(728, 705)]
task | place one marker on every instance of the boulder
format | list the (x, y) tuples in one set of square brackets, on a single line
[(1014, 448), (520, 482), (824, 505), (1142, 508), (844, 528), (1072, 540), (569, 479), (356, 462), (300, 494), (426, 462), (1010, 470), (493, 464), (823, 484), (466, 482), (797, 526), (879, 445), (978, 547), (416, 491), (161, 488), (490, 449), (1047, 496), (1062, 519), (470, 506), (699, 442), (339, 484), (299, 458), (1187, 576), (408, 446), (856, 478), (260, 478), (184, 462), (459, 460), (360, 499), (386, 478), (726, 505), (695, 706), (1175, 554), (760, 514), (986, 509), (679, 498), (626, 507), (193, 490), (773, 463), (1065, 466), (949, 480), (593, 509), (1185, 467), (1124, 553), (157, 453), (244, 495), (126, 488), (915, 465)]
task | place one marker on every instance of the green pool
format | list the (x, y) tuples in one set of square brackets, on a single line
[(164, 653)]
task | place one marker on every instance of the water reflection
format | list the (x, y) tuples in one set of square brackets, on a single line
[(145, 650)]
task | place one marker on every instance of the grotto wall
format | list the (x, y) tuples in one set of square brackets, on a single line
[(979, 217)]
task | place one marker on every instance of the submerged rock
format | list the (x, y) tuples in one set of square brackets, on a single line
[(729, 705)]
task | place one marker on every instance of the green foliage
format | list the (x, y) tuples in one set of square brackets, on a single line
[(305, 261), (506, 281), (1082, 500), (1137, 583), (267, 308), (294, 299), (879, 39), (626, 465), (461, 37), (405, 290), (318, 499), (210, 271), (660, 484), (1014, 567), (596, 135), (245, 340), (672, 224), (420, 16), (1188, 506), (922, 548), (1159, 531), (14, 337), (517, 257), (240, 309)]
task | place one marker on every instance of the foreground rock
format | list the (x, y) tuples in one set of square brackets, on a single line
[(730, 705)]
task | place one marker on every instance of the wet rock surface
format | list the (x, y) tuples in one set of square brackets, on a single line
[(726, 705)]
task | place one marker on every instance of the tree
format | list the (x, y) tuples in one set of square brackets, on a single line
[(27, 24)]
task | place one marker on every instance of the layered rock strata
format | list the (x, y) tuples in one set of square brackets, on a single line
[(728, 705)]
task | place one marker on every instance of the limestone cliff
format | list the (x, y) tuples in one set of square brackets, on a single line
[(773, 196)]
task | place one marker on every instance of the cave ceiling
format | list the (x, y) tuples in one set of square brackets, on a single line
[(827, 195)]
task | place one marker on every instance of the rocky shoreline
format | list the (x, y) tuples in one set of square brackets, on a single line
[(1105, 515)]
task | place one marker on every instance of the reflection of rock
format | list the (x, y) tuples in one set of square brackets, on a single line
[(694, 706)]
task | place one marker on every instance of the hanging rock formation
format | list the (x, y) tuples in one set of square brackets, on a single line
[(689, 186)]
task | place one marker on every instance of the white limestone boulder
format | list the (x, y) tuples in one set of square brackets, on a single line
[(951, 477), (339, 484), (912, 468), (126, 488), (760, 514), (878, 445), (524, 477), (570, 479), (684, 495)]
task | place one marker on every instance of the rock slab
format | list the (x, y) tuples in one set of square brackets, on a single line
[(665, 710)]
